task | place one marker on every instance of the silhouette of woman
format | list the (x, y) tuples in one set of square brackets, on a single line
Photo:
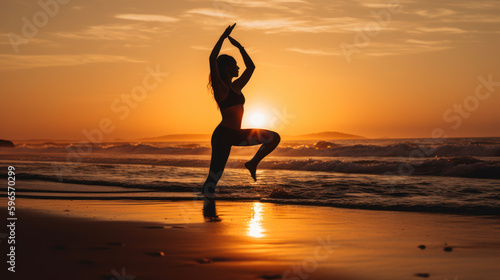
[(230, 100)]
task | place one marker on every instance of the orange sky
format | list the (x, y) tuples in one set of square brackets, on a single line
[(372, 68)]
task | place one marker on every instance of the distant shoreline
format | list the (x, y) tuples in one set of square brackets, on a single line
[(311, 136), (206, 137)]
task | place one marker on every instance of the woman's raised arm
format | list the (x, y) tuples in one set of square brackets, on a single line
[(217, 83), (250, 67)]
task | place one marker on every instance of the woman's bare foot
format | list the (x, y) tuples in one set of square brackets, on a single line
[(253, 170)]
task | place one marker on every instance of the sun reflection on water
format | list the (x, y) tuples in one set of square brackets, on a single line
[(254, 225)]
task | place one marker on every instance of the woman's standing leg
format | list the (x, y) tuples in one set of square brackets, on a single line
[(217, 164), (221, 148), (269, 140)]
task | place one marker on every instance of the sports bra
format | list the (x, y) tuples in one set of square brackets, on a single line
[(232, 99)]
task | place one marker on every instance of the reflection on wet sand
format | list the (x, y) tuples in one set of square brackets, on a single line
[(209, 211), (255, 228)]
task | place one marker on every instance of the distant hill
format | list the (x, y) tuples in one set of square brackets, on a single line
[(206, 137), (324, 136), (6, 144)]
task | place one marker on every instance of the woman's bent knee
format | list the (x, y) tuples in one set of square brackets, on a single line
[(273, 139), (270, 138), (276, 138)]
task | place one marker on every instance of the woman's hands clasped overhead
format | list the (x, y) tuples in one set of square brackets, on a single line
[(228, 31)]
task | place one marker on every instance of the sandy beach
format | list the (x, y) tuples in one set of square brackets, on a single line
[(96, 239)]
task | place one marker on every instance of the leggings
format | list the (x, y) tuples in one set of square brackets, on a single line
[(222, 140)]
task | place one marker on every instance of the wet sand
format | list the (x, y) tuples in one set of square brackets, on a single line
[(98, 239)]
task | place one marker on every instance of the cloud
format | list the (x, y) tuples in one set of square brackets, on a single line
[(431, 43), (474, 18), (460, 14), (233, 9), (223, 50), (210, 12), (201, 48), (410, 46), (270, 23), (383, 4), (312, 51), (115, 32), (375, 5), (145, 17), (448, 30), (78, 7), (12, 62), (475, 5), (212, 17), (257, 4), (434, 13), (319, 25)]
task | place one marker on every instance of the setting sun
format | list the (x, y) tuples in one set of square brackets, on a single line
[(257, 119)]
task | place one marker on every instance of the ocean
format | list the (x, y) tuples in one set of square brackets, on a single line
[(458, 175)]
